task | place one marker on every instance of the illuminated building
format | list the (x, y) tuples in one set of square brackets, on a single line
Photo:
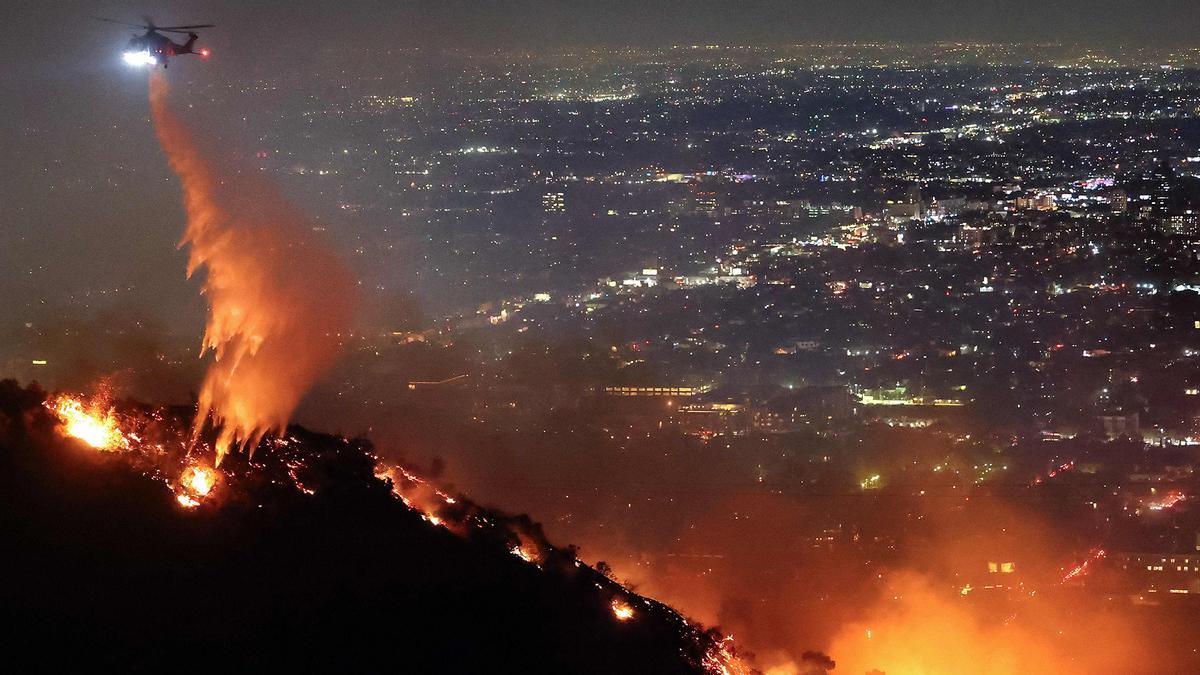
[(1116, 423), (1186, 223), (904, 211), (659, 392), (816, 405), (706, 202), (1170, 573), (713, 419), (1001, 567), (1118, 201), (975, 237), (899, 396), (554, 202)]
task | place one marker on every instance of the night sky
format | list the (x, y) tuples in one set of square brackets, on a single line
[(30, 27)]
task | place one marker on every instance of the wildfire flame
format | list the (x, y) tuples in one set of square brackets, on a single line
[(523, 554), (279, 301), (195, 483), (91, 424), (98, 425), (622, 610), (721, 659), (416, 493), (200, 480)]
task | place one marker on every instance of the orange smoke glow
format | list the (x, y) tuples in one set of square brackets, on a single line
[(908, 616), (279, 300), (90, 423), (920, 632), (920, 629)]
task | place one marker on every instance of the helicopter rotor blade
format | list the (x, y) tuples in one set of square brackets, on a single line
[(149, 25), (120, 23)]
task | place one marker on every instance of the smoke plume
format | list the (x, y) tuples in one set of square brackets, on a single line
[(279, 301)]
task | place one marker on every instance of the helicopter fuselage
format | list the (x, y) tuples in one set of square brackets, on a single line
[(159, 46)]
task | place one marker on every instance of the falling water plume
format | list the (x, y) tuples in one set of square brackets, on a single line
[(279, 300)]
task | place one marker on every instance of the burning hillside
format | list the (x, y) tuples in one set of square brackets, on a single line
[(128, 549)]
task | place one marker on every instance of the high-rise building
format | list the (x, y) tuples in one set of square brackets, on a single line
[(1118, 201)]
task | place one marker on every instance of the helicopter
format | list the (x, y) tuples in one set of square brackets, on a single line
[(152, 47)]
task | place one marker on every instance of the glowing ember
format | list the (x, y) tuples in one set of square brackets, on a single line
[(91, 424), (1167, 501), (622, 610), (1082, 568), (187, 501), (1055, 472)]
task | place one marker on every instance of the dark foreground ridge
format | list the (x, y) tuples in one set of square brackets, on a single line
[(106, 570)]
